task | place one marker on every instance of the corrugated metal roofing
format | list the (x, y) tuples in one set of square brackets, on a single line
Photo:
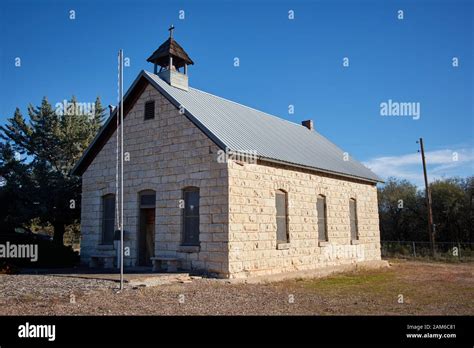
[(241, 128)]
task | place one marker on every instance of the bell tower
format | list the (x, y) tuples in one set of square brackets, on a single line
[(172, 61)]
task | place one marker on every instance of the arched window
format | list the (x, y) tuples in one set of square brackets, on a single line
[(108, 218), (191, 216), (281, 203), (353, 219), (322, 216)]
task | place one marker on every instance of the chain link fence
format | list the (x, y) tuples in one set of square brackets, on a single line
[(447, 251)]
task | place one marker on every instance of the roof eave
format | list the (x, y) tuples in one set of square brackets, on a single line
[(345, 175)]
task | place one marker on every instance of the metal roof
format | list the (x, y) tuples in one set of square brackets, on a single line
[(241, 128)]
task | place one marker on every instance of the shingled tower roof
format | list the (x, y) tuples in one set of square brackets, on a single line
[(170, 48)]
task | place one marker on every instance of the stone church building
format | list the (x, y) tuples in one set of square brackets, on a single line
[(212, 185)]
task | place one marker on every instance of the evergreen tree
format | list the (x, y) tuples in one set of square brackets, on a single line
[(53, 141), (16, 190)]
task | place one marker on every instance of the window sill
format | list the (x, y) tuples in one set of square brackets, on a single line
[(283, 246), (355, 242), (189, 248), (323, 243)]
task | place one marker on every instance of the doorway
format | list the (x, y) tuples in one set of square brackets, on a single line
[(146, 232)]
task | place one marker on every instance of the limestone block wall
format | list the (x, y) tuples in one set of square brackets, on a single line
[(237, 202), (252, 227), (167, 154)]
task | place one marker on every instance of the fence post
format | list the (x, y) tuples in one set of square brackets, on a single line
[(459, 250), (414, 251)]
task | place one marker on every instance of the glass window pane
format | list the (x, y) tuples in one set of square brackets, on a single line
[(280, 204), (191, 217), (321, 211), (320, 208), (353, 230), (281, 217), (148, 199), (109, 206), (352, 208), (191, 205), (322, 231), (192, 231), (281, 229), (353, 219), (108, 219)]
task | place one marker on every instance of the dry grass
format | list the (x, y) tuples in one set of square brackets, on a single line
[(427, 289), (405, 288)]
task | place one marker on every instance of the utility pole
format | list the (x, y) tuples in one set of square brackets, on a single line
[(428, 200)]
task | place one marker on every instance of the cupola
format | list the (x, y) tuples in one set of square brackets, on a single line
[(172, 61)]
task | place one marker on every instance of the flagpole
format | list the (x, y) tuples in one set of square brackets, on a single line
[(121, 169)]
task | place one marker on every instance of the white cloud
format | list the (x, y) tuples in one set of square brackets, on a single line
[(440, 163)]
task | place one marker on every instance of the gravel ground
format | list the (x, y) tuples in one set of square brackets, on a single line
[(45, 287), (427, 288)]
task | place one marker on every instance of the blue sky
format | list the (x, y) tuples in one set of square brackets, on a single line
[(282, 62)]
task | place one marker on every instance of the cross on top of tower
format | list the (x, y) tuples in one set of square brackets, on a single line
[(171, 29)]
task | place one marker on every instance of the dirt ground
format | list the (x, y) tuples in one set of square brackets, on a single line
[(406, 287)]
